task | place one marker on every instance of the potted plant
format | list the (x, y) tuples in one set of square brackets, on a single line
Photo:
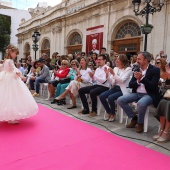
[(146, 28)]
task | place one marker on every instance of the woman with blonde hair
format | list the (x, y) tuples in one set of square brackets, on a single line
[(16, 101), (61, 86), (160, 63), (62, 72)]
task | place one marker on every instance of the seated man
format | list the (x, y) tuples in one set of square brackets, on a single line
[(101, 85), (42, 77), (145, 91)]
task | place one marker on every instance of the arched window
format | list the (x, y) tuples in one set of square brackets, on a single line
[(46, 45), (27, 48), (128, 30), (76, 39)]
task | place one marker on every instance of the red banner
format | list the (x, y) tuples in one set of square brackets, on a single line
[(94, 39)]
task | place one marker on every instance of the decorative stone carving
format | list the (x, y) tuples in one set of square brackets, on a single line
[(57, 29), (22, 20), (105, 9), (40, 9), (19, 41)]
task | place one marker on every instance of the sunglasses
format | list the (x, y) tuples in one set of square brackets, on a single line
[(73, 64), (63, 64), (157, 62)]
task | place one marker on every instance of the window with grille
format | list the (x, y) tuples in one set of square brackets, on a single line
[(46, 45), (128, 30), (127, 47), (76, 39)]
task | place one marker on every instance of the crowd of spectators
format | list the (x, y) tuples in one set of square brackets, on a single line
[(107, 76)]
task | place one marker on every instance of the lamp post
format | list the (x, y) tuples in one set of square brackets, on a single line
[(148, 9), (35, 39)]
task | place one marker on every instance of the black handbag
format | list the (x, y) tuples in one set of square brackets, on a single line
[(167, 84), (64, 80)]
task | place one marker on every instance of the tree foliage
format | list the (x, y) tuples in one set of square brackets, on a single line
[(5, 31)]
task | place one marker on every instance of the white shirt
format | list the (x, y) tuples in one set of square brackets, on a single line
[(100, 76), (85, 76), (121, 78), (141, 88)]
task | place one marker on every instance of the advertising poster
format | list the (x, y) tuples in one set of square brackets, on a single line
[(94, 39)]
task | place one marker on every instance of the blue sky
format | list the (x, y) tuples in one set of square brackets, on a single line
[(25, 4)]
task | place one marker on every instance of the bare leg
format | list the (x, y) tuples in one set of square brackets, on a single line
[(162, 124), (51, 90), (63, 95), (167, 128), (162, 127), (73, 99)]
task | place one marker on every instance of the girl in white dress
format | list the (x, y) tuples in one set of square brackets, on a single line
[(16, 101)]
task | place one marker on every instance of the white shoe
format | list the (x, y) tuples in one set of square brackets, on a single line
[(106, 116), (111, 119), (13, 122), (49, 98)]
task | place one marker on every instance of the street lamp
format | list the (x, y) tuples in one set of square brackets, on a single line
[(148, 9), (35, 39)]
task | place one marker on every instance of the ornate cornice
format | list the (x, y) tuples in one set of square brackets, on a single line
[(56, 29)]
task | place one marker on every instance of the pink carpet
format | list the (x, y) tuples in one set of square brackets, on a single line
[(52, 141)]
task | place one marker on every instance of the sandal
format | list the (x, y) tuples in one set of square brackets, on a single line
[(155, 137), (72, 107), (164, 140)]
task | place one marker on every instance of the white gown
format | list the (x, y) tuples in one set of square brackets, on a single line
[(16, 101)]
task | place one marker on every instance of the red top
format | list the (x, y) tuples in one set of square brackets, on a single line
[(62, 73)]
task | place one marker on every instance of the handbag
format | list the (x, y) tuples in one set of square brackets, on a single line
[(167, 94), (64, 80), (79, 79), (167, 84)]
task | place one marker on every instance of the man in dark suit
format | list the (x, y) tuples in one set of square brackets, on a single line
[(145, 91)]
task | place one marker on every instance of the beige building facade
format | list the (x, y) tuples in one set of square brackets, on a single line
[(64, 27)]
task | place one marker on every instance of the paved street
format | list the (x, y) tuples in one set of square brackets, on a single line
[(145, 139)]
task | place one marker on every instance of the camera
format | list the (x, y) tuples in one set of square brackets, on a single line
[(136, 68)]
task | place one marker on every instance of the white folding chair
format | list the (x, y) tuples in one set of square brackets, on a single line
[(145, 118)]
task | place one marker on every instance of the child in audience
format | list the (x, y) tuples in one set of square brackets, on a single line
[(16, 102)]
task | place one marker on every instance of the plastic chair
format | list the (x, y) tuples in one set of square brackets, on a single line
[(145, 118)]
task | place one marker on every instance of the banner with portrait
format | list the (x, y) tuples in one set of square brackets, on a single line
[(94, 39)]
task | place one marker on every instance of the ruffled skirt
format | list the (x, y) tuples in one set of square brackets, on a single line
[(16, 101)]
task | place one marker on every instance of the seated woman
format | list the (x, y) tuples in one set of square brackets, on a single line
[(163, 111), (119, 78), (61, 87), (60, 73), (81, 79), (34, 71), (31, 72), (160, 63)]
